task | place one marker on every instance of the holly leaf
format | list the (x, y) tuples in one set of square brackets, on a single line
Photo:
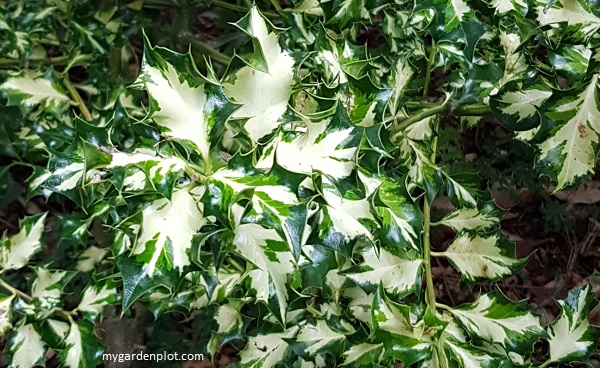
[(184, 103), (264, 88), (571, 337), (570, 149), (17, 250), (496, 319), (27, 348), (478, 256)]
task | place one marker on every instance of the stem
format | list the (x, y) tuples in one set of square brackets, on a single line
[(241, 9), (544, 67), (236, 265), (430, 61), (437, 254), (217, 56), (15, 291), (57, 60), (430, 293), (422, 115), (77, 97), (545, 364), (472, 110), (276, 5)]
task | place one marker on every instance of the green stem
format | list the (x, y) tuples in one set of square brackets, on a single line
[(545, 364), (430, 61), (236, 265), (437, 254), (544, 67), (58, 60), (77, 97), (15, 291), (422, 115), (276, 5), (429, 293), (472, 110), (215, 55), (241, 9)]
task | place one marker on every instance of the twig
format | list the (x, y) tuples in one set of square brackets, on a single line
[(57, 60), (77, 97)]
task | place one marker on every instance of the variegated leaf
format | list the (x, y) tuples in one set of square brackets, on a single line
[(405, 341), (262, 94), (360, 304), (478, 256), (517, 107), (398, 276), (90, 257), (343, 220), (130, 171), (469, 219), (571, 148), (186, 106), (363, 355), (400, 218), (30, 89), (266, 350), (457, 11), (6, 313), (96, 296), (27, 348), (571, 337), (273, 260), (273, 204), (17, 250), (461, 353), (328, 146), (167, 230), (312, 340), (505, 6), (46, 290), (572, 12), (82, 348), (496, 319)]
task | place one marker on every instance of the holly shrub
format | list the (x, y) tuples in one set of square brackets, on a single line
[(286, 191)]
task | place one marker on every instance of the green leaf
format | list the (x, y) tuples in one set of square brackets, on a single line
[(571, 337), (496, 319), (266, 350), (399, 276), (17, 250), (187, 106), (264, 93), (26, 347), (478, 256), (570, 148), (168, 226)]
